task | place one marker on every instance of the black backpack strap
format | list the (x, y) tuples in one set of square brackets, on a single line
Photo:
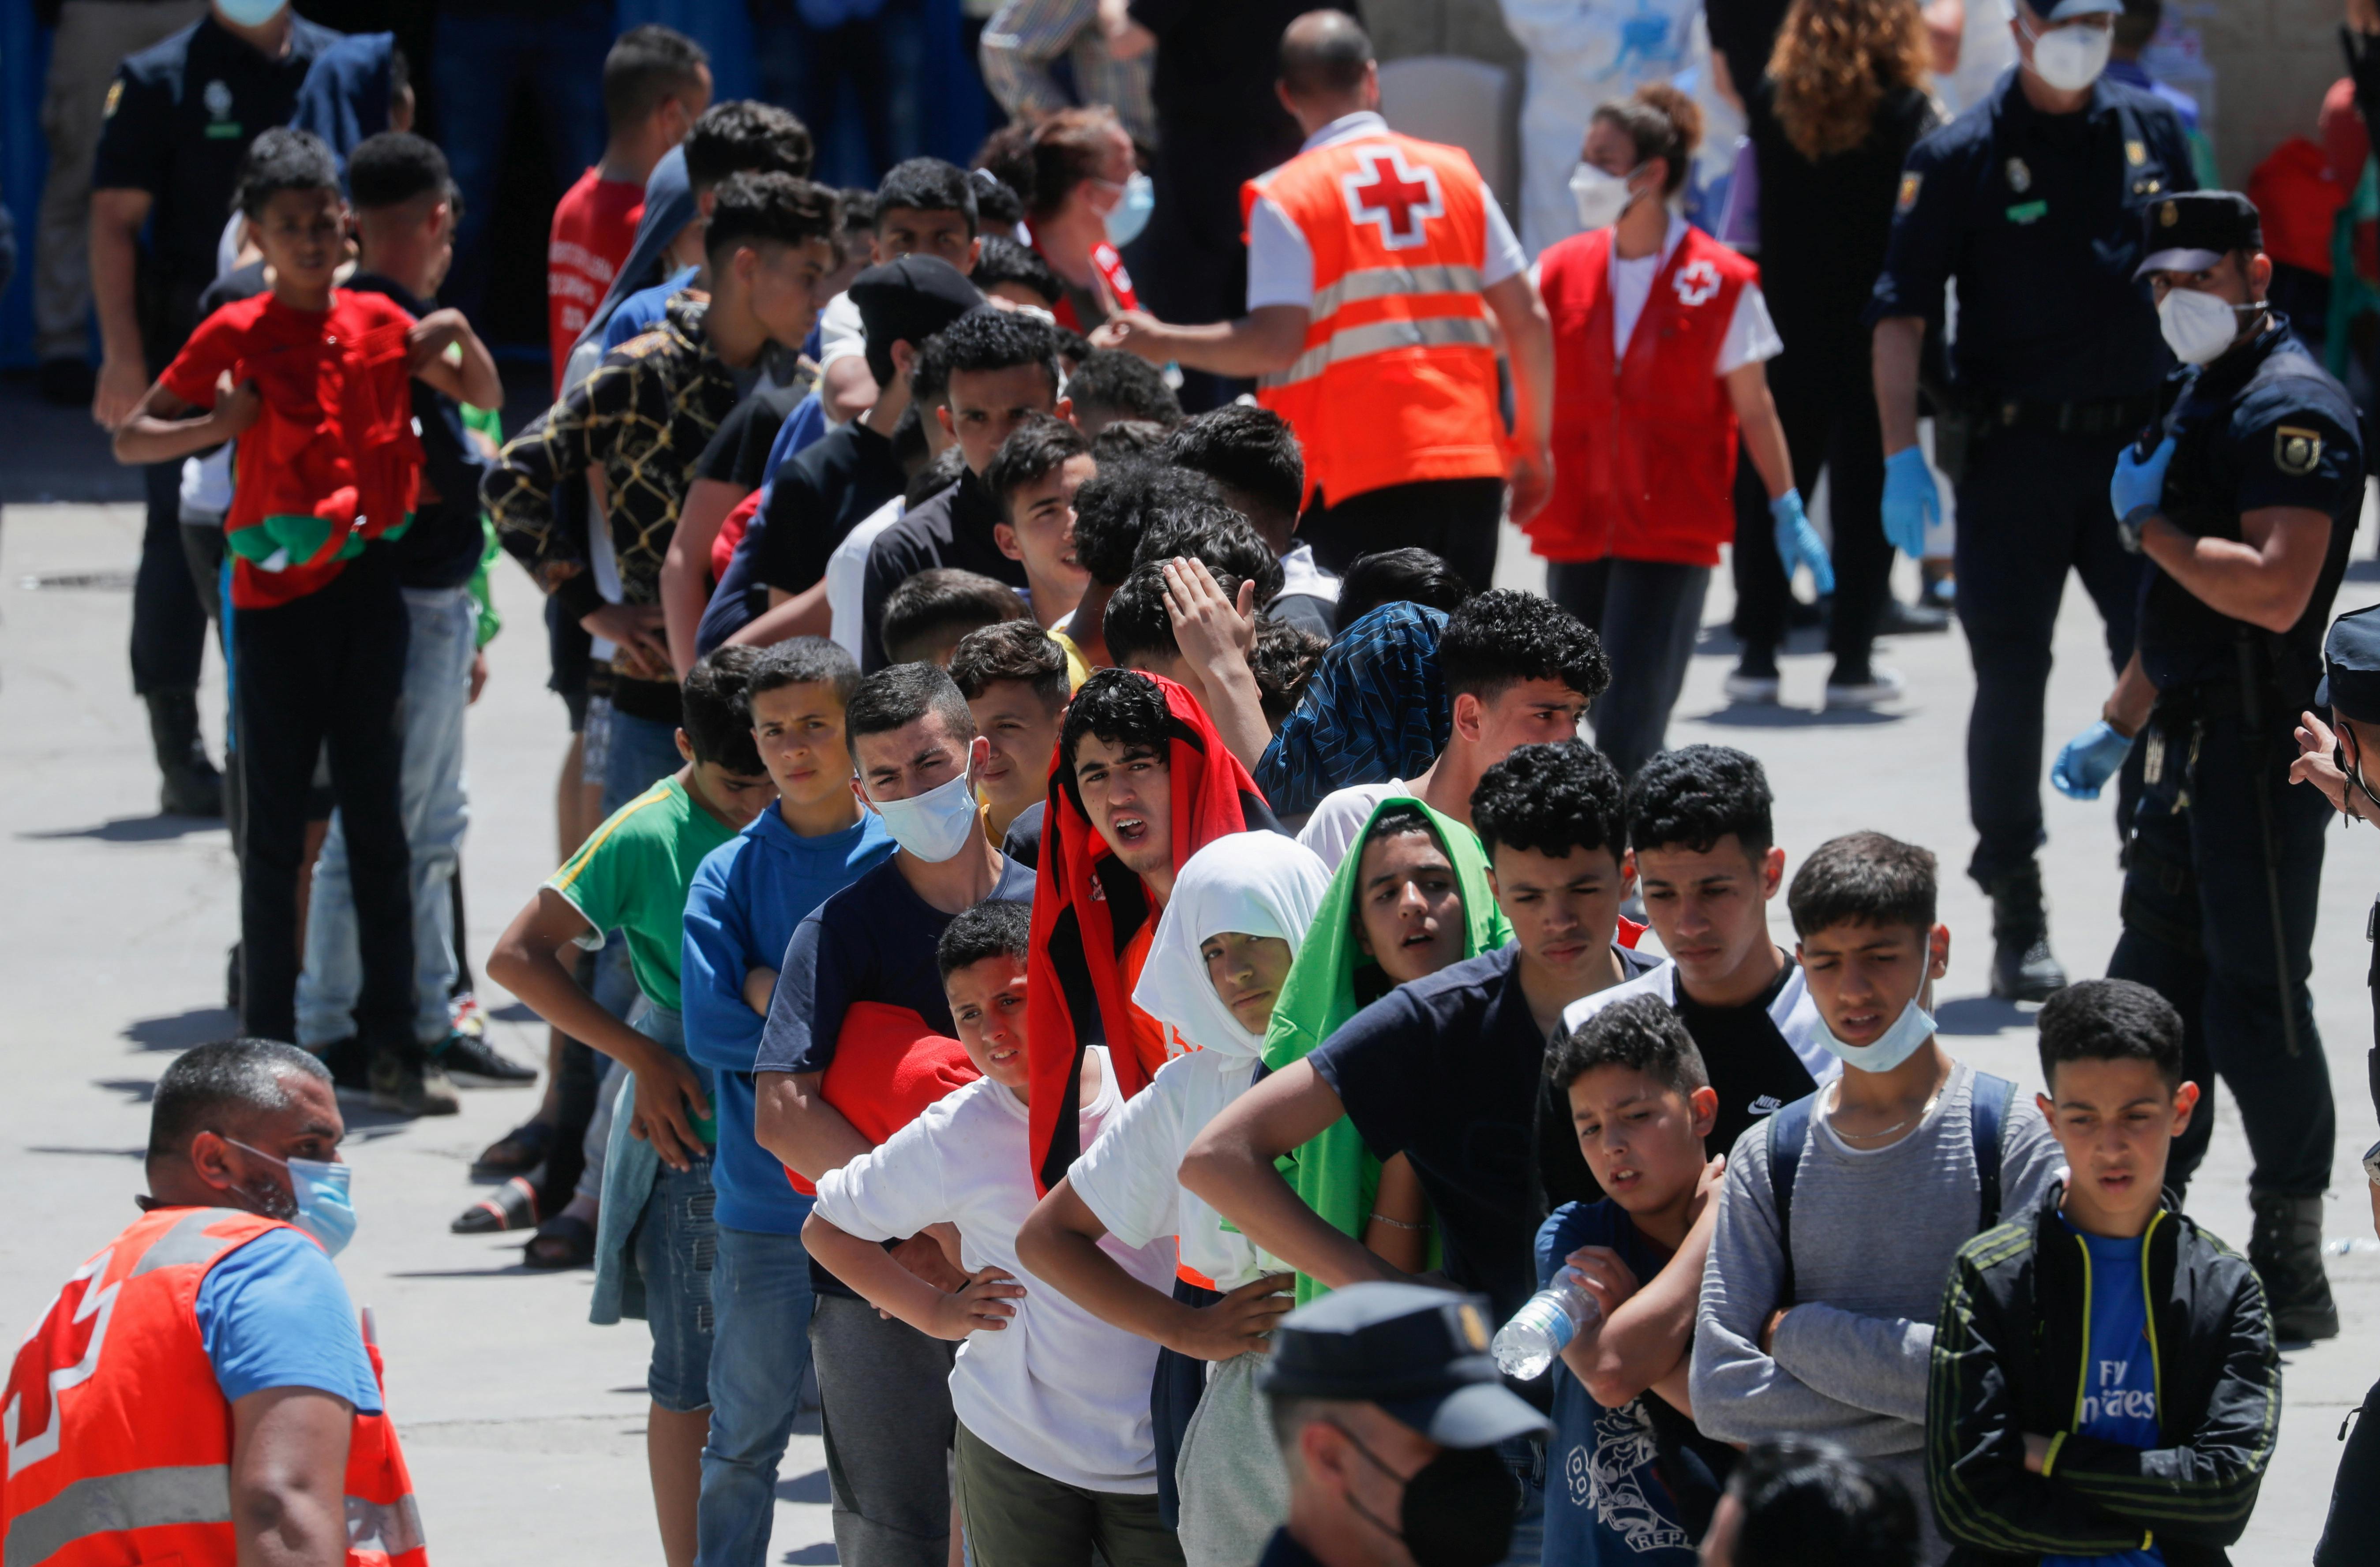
[(1988, 1102), (1789, 1133)]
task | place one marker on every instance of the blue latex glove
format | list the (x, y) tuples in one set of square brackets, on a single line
[(2137, 489), (1798, 543), (1911, 502), (2088, 760)]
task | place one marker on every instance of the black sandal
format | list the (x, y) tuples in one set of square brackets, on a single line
[(561, 1241), (517, 1152), (512, 1205)]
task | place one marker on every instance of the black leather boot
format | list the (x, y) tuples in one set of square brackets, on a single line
[(2285, 1248), (190, 786), (2023, 968)]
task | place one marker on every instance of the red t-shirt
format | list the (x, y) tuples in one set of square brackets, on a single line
[(594, 229), (332, 459)]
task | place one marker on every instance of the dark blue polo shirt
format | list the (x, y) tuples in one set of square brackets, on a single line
[(180, 116), (2038, 218)]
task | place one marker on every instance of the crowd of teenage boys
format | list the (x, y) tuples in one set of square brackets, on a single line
[(1039, 958)]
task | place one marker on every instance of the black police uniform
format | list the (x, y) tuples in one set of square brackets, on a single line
[(2055, 366), (180, 116)]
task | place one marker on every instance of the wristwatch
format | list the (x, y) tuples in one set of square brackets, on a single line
[(2130, 527)]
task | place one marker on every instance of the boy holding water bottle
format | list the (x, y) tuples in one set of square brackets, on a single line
[(1628, 1478)]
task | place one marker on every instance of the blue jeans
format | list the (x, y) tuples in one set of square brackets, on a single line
[(760, 1352), (1525, 1457), (482, 58), (443, 624), (641, 754)]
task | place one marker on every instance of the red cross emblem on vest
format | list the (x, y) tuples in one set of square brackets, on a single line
[(1694, 281), (1385, 190)]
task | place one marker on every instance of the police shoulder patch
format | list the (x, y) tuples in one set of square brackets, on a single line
[(2296, 449), (115, 96), (1908, 186)]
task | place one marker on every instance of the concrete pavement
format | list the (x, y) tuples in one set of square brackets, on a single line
[(523, 1423)]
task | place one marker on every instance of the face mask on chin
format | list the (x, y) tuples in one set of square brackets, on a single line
[(1895, 1045), (2071, 58)]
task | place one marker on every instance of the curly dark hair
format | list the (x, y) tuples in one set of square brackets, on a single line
[(1503, 637), (995, 928), (1641, 1033), (2110, 1020), (1863, 878), (1003, 259), (1113, 511), (1127, 438), (1282, 661), (282, 159), (1694, 795), (770, 209), (1122, 707), (1215, 534), (716, 713), (745, 134), (1808, 1502), (1111, 383), (1550, 800), (1387, 576), (927, 185), (1137, 623), (989, 339), (1251, 449)]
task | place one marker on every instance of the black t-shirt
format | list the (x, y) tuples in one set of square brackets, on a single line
[(952, 529), (1745, 31), (1754, 1069), (829, 488), (1825, 225), (180, 116), (446, 542), (738, 453)]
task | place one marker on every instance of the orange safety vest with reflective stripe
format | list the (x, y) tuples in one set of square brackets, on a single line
[(1396, 382), (119, 1439)]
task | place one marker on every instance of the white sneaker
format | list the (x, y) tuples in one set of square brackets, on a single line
[(1881, 685), (1741, 688)]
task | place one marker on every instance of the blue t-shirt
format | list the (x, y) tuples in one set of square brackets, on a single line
[(2120, 1369), (1635, 1483), (275, 1314)]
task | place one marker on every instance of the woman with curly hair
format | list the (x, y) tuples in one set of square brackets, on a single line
[(1844, 97)]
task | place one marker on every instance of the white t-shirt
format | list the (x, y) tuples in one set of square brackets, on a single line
[(1131, 1176), (1281, 263), (1058, 1390), (1339, 820), (841, 335), (1751, 335), (1300, 574), (847, 574)]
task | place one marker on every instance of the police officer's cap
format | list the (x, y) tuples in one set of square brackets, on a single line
[(1421, 1354), (2350, 658), (2192, 230), (2055, 11)]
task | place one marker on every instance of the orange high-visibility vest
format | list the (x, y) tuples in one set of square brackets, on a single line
[(119, 1439), (1397, 378)]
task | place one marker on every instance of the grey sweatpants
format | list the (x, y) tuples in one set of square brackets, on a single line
[(884, 1407), (1234, 1487)]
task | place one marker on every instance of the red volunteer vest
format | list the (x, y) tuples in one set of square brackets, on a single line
[(119, 1439), (1643, 452), (1397, 378)]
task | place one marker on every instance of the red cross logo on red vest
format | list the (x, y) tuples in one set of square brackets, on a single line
[(1388, 192), (1695, 282)]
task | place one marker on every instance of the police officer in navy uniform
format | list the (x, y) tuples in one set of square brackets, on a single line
[(1389, 1416), (2243, 496), (179, 118), (2031, 202)]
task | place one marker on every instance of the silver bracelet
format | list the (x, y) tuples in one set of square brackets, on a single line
[(1396, 1223)]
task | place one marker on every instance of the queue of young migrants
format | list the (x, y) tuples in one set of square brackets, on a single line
[(981, 1039)]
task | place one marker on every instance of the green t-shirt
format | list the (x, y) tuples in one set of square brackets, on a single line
[(631, 877)]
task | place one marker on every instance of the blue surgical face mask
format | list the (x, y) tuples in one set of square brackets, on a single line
[(320, 1191), (1130, 215), (250, 13), (1897, 1044), (937, 824)]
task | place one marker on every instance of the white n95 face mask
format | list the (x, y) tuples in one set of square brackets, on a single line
[(2071, 58), (250, 13), (2199, 327), (1897, 1044), (1130, 215), (935, 825), (1600, 197)]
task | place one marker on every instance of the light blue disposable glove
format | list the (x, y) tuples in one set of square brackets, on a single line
[(1798, 543), (1911, 502), (2137, 489), (2088, 760)]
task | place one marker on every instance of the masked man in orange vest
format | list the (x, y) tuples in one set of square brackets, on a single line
[(1375, 263), (200, 1388)]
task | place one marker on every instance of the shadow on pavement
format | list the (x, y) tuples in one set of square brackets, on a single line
[(1980, 1015), (803, 1487), (1773, 715), (200, 1026), (821, 1555), (133, 830)]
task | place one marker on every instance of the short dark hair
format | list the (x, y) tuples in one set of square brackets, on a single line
[(1119, 706), (648, 66), (1810, 1504), (1251, 449), (1003, 259), (927, 185), (1640, 1033), (283, 159), (926, 607), (1498, 639), (2110, 1020), (1391, 821), (987, 338), (1862, 878), (1115, 510), (1137, 623), (716, 712), (745, 135), (1328, 65), (929, 374), (1125, 385), (995, 928), (1015, 649), (932, 478), (779, 209), (1411, 575), (858, 213), (1694, 795), (210, 1086), (1282, 661), (1038, 447), (1550, 800), (899, 695), (395, 168), (1127, 438), (804, 660), (1212, 532)]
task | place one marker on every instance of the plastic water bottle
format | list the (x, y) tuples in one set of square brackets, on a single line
[(1544, 1327)]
